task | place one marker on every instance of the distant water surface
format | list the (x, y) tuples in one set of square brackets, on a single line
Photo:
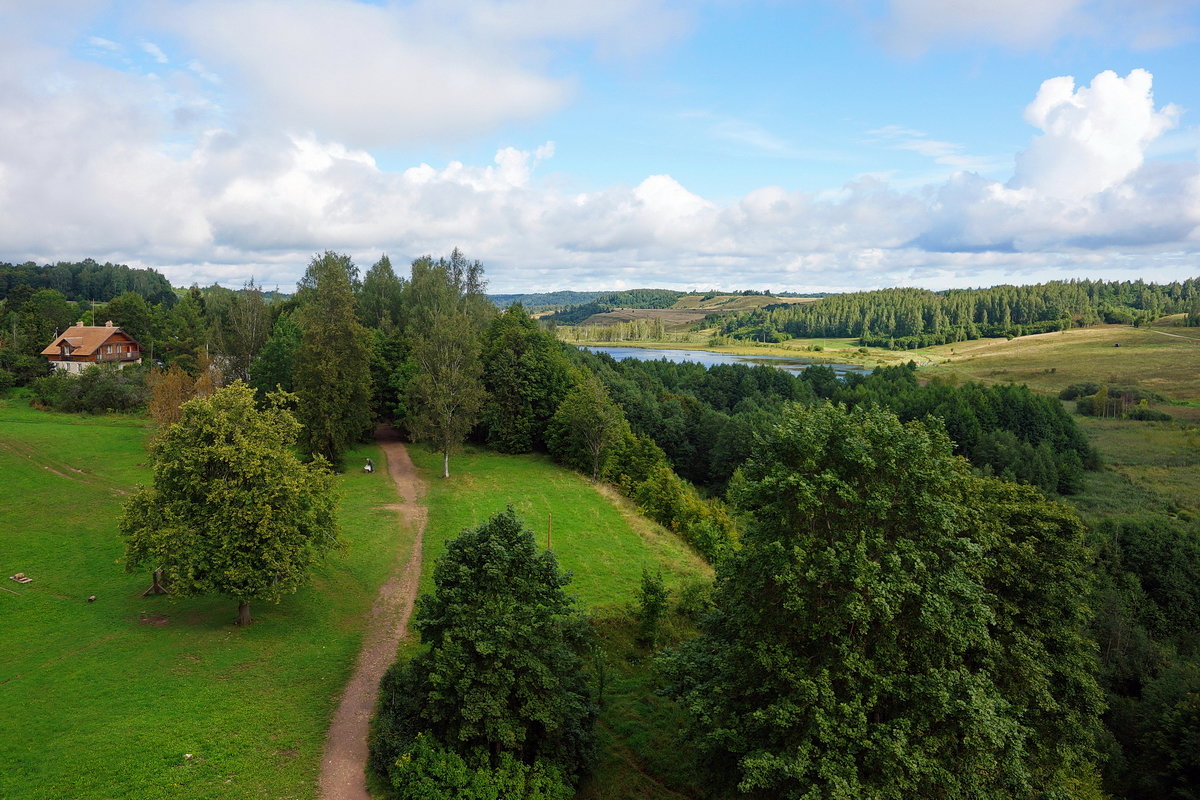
[(709, 359)]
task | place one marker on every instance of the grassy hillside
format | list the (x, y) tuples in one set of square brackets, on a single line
[(598, 537), (1149, 466), (688, 310), (722, 303), (107, 699), (595, 534), (1165, 360)]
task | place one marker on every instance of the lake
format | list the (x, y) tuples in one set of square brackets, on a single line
[(709, 359)]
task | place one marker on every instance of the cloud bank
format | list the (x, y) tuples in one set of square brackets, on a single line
[(160, 167)]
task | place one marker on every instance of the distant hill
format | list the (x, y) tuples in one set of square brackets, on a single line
[(542, 301), (607, 307)]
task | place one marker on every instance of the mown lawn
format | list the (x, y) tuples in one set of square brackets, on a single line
[(109, 699), (604, 548)]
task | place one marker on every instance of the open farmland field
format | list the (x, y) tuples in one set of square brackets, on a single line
[(1165, 361), (159, 697), (1148, 467), (673, 319), (722, 303), (598, 536), (690, 309)]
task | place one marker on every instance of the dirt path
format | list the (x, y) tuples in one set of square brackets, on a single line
[(1176, 335), (344, 764)]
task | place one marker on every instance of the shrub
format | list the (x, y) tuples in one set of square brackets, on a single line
[(96, 390), (674, 503), (1145, 414), (695, 600), (652, 604), (429, 771), (1077, 390)]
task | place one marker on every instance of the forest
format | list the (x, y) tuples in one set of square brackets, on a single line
[(906, 319), (905, 605)]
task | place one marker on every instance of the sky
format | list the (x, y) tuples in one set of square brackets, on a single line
[(805, 145)]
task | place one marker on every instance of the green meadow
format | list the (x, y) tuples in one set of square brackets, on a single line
[(164, 697), (594, 533), (158, 697)]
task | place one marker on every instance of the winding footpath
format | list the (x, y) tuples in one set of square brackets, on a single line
[(344, 764)]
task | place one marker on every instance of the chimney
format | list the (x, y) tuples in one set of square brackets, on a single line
[(108, 324), (79, 324)]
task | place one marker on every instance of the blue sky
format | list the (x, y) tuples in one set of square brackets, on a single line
[(817, 146)]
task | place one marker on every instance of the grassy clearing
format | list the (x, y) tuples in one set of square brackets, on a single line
[(1163, 361), (592, 536), (105, 699), (1150, 467), (600, 538)]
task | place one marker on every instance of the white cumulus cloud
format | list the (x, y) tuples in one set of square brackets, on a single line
[(1093, 137)]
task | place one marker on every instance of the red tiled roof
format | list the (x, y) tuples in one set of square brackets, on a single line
[(85, 340)]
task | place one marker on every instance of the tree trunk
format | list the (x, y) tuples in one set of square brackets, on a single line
[(157, 587), (244, 613), (445, 463)]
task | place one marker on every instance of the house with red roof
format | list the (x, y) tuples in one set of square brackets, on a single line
[(82, 345)]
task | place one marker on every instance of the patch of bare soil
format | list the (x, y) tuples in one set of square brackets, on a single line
[(344, 764)]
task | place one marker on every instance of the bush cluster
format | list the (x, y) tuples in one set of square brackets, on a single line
[(96, 390)]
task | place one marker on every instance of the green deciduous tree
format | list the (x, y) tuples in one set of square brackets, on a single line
[(131, 313), (526, 377), (332, 368), (244, 328), (504, 673), (231, 508), (586, 426), (445, 313), (892, 627)]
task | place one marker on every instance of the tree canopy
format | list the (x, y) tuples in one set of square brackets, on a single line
[(892, 627), (445, 313), (503, 675), (231, 509), (526, 377), (332, 364)]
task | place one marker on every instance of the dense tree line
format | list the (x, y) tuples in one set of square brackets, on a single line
[(909, 318), (542, 300), (1147, 625), (83, 281), (630, 298), (705, 419)]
